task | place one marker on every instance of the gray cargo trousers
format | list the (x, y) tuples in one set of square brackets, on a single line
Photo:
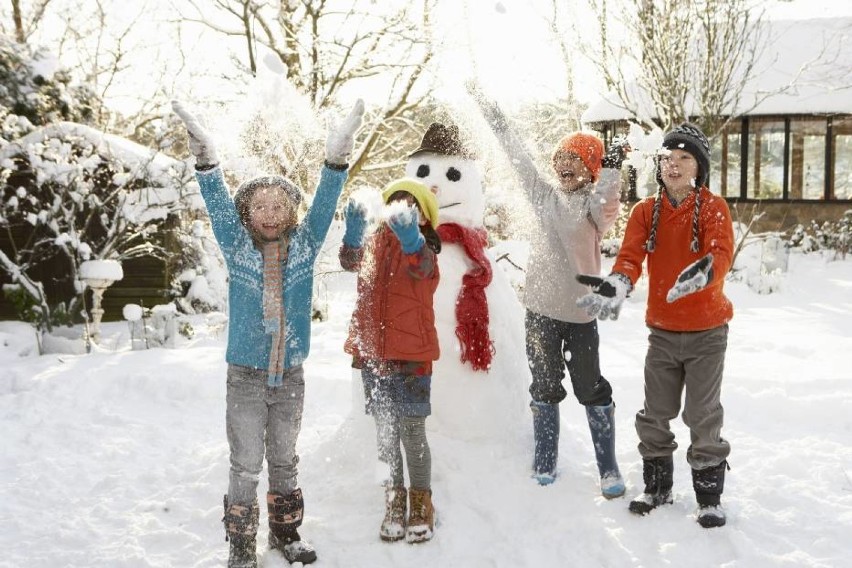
[(678, 362)]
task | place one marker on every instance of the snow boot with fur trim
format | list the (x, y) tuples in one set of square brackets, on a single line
[(396, 505), (285, 516), (241, 524), (602, 426), (421, 518), (658, 474), (546, 434), (708, 484)]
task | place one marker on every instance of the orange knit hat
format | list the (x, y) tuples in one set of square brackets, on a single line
[(588, 147)]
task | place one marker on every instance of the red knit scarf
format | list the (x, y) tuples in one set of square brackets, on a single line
[(472, 304)]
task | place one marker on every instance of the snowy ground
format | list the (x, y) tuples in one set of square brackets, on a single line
[(119, 459)]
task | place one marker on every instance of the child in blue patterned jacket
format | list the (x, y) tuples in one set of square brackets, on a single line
[(270, 258)]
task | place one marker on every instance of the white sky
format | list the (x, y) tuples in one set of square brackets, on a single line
[(505, 44)]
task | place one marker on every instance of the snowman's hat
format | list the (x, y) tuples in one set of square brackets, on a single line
[(442, 139)]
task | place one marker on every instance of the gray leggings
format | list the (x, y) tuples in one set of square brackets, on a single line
[(411, 432)]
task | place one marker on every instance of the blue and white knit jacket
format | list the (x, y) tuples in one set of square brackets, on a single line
[(248, 344)]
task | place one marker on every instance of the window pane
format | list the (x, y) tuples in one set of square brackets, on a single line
[(807, 159), (726, 162), (766, 160), (842, 130)]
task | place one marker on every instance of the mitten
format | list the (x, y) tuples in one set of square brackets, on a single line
[(341, 138), (356, 223), (492, 113), (615, 153), (406, 226), (693, 278), (607, 295), (200, 143)]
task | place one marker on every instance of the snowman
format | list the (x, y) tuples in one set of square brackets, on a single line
[(479, 385)]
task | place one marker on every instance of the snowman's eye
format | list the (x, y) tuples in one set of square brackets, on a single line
[(453, 174), (422, 170)]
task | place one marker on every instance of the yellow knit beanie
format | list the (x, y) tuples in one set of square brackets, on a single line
[(424, 196)]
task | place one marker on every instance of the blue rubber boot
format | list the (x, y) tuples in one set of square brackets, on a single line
[(546, 433), (602, 425)]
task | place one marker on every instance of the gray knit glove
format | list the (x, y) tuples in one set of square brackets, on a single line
[(341, 138), (200, 143)]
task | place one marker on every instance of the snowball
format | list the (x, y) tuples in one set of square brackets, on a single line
[(371, 199), (404, 212), (132, 312)]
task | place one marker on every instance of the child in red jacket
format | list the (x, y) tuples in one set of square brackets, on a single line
[(393, 341), (686, 237)]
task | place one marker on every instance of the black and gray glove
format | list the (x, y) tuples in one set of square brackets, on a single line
[(616, 153), (200, 144), (607, 295), (692, 279)]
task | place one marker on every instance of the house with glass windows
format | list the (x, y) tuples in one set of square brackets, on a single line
[(788, 147)]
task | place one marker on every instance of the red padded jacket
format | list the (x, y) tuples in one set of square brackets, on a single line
[(394, 318)]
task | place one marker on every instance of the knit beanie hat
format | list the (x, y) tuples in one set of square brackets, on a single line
[(588, 147), (247, 189), (690, 138), (424, 196)]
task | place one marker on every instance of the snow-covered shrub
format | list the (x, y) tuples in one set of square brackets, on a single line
[(201, 281), (835, 236), (71, 193)]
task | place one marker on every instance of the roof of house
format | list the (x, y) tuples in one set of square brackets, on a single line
[(805, 67)]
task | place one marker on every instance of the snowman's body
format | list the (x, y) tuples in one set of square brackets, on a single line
[(469, 404)]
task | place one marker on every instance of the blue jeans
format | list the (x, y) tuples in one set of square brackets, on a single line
[(262, 419), (553, 346)]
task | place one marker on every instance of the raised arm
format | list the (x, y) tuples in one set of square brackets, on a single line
[(515, 149), (604, 201), (338, 147), (220, 207)]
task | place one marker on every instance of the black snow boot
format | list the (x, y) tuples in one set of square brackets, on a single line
[(708, 484), (285, 516), (241, 524), (658, 474), (546, 434)]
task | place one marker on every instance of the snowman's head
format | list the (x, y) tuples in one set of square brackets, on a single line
[(451, 172)]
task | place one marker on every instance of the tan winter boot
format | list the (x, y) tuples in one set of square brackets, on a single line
[(396, 505), (421, 519), (285, 516), (241, 524)]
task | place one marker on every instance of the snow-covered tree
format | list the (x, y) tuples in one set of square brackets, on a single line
[(328, 49), (678, 60)]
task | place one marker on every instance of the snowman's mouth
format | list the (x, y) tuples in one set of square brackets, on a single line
[(450, 205)]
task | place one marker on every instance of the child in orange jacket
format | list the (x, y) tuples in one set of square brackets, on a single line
[(685, 235), (393, 341)]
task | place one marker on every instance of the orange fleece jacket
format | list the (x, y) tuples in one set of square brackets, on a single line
[(702, 310)]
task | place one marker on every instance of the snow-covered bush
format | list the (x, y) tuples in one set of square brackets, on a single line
[(835, 236), (71, 193)]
